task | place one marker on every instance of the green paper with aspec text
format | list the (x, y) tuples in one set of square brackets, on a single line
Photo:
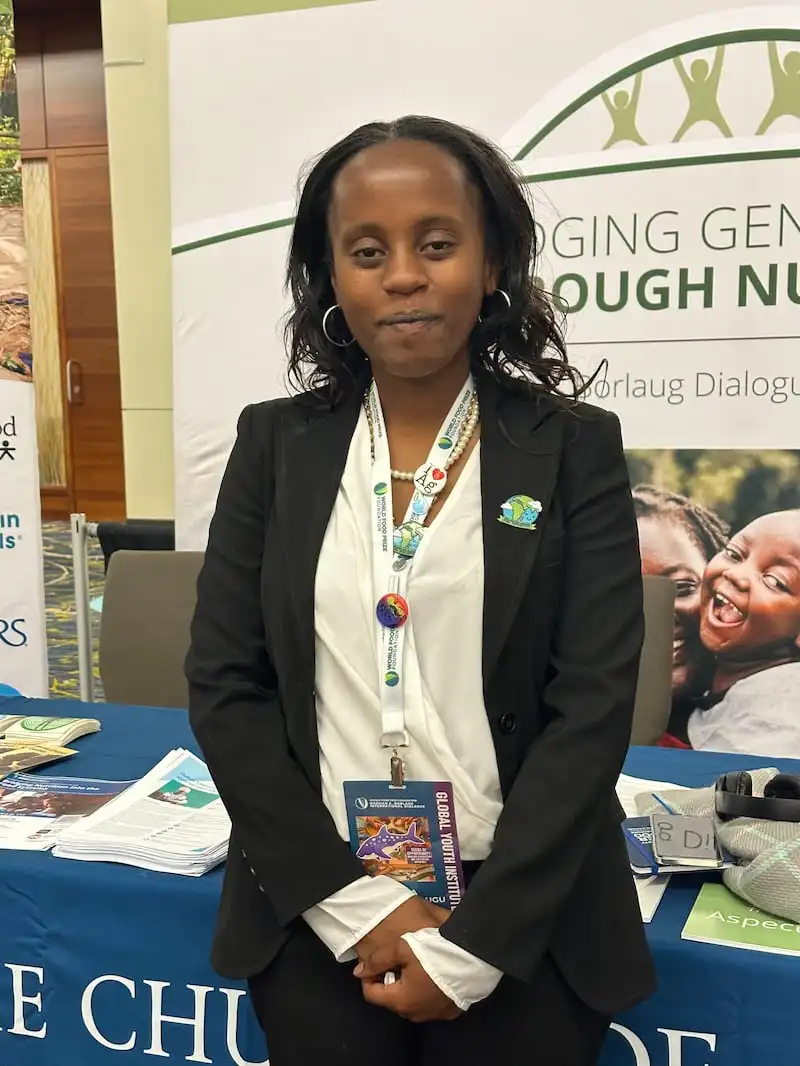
[(720, 917)]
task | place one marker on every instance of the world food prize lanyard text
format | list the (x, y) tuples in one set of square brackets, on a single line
[(393, 553)]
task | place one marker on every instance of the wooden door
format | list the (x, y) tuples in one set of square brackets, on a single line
[(63, 122), (90, 354)]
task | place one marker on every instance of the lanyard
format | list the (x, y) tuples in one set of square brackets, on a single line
[(393, 553)]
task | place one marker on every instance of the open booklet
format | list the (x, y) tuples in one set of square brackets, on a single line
[(172, 820), (58, 732), (35, 810)]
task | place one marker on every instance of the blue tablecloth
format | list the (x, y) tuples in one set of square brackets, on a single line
[(97, 961)]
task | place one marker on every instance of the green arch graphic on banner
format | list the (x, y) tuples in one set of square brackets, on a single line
[(675, 52), (232, 235), (540, 178), (206, 10)]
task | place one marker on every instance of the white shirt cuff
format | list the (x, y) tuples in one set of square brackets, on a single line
[(464, 978), (345, 918)]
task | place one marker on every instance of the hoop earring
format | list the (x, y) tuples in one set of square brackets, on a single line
[(505, 296), (325, 317)]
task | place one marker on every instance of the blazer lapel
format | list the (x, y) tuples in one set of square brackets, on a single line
[(520, 454), (312, 449)]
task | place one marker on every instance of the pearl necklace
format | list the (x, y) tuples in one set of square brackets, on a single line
[(467, 433)]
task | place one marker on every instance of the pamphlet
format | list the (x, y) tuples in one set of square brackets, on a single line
[(45, 730), (628, 788), (650, 891), (408, 833), (24, 755), (720, 917), (172, 820), (35, 810)]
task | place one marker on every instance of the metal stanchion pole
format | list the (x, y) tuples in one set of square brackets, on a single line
[(82, 608)]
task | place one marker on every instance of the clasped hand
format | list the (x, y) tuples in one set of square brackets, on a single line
[(413, 995)]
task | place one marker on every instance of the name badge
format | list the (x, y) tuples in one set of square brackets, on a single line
[(408, 834)]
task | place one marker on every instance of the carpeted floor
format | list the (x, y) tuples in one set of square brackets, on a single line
[(62, 640)]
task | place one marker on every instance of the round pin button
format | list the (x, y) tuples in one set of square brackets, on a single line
[(430, 479), (392, 610)]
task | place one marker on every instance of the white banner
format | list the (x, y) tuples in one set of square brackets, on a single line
[(662, 148), (23, 640), (660, 237)]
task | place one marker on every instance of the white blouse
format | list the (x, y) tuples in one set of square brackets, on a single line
[(446, 719)]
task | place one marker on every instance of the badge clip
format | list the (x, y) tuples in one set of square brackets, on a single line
[(397, 771)]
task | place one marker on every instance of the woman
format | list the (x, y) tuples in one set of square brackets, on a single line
[(677, 538), (416, 326)]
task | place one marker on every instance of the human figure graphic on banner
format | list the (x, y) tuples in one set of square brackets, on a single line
[(750, 623), (785, 87), (677, 539), (622, 108), (702, 87)]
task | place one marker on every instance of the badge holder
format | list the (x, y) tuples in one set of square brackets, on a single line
[(406, 830)]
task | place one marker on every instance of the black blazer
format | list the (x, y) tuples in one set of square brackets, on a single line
[(562, 633)]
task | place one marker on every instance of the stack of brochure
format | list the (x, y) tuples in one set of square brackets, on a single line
[(40, 729), (35, 810), (27, 741), (172, 820)]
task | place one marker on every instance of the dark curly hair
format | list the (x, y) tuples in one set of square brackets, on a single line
[(521, 345), (708, 531)]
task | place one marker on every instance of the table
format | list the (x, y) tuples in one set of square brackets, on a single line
[(106, 953), (715, 1006), (103, 964)]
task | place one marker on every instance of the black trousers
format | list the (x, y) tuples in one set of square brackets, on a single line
[(312, 1011)]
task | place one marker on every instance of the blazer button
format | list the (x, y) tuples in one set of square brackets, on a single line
[(507, 724)]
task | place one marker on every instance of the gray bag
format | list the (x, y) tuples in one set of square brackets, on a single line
[(768, 853)]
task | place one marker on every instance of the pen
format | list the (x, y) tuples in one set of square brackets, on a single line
[(664, 804)]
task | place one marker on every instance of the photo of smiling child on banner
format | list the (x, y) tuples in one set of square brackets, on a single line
[(750, 622), (736, 648)]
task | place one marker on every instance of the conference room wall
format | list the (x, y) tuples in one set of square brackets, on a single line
[(135, 55)]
